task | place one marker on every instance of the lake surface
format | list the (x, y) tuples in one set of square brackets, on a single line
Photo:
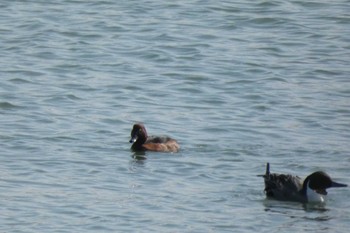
[(237, 83)]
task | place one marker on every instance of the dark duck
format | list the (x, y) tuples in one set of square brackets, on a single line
[(285, 187), (142, 142)]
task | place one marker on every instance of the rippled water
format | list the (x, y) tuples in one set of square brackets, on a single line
[(238, 84)]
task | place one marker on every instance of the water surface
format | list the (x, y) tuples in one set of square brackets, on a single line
[(238, 84)]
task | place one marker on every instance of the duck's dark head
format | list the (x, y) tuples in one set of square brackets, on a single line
[(138, 133), (320, 181)]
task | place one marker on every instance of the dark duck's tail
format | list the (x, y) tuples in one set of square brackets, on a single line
[(267, 173), (269, 181)]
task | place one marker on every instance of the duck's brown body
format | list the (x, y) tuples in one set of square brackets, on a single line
[(141, 141)]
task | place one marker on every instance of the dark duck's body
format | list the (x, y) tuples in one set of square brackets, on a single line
[(287, 187), (141, 141)]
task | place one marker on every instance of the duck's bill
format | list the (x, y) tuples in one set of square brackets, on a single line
[(338, 185), (133, 139)]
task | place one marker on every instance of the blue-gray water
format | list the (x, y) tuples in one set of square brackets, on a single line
[(238, 83)]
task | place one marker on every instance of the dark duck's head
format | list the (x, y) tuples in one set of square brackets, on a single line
[(138, 134), (316, 184)]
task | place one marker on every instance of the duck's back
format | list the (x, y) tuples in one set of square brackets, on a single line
[(161, 143), (284, 187), (158, 139)]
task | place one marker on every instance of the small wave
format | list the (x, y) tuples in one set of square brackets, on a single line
[(7, 105), (19, 80)]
